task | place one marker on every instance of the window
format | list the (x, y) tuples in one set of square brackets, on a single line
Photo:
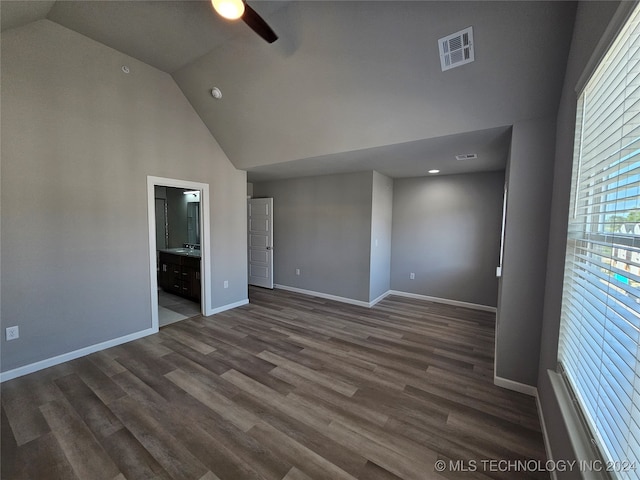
[(600, 324)]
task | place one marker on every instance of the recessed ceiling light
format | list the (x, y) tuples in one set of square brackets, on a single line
[(434, 171)]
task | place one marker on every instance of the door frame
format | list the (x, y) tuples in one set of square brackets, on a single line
[(205, 242)]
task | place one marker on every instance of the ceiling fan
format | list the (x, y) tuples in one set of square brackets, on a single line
[(235, 9)]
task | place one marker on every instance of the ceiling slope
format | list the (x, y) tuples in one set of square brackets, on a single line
[(348, 85), (167, 34), (358, 75), (15, 14)]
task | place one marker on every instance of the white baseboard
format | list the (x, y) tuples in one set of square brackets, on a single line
[(229, 306), (455, 303), (515, 386), (370, 304), (380, 298), (328, 296), (65, 357)]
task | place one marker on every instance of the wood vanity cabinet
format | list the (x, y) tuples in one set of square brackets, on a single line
[(180, 275)]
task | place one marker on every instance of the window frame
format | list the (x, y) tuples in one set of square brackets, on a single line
[(622, 17)]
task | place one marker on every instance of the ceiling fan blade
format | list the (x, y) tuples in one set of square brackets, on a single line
[(258, 25)]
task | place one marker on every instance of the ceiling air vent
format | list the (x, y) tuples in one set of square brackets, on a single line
[(467, 156), (456, 49)]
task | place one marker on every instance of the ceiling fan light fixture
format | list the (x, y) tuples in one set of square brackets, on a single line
[(229, 9)]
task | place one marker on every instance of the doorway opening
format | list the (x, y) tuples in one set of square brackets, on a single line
[(179, 249)]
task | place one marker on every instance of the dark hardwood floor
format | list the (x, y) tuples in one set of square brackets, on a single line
[(289, 387)]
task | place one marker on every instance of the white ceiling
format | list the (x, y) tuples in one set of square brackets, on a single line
[(348, 86)]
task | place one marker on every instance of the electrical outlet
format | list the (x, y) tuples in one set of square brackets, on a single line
[(12, 333), (226, 284), (412, 276), (297, 271)]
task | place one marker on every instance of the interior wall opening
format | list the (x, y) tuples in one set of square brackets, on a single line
[(179, 250), (178, 253)]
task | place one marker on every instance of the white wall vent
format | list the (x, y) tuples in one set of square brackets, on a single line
[(467, 156), (456, 49)]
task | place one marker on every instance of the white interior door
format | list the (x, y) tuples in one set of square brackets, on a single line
[(260, 242)]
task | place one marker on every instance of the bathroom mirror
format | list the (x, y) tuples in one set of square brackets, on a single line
[(193, 223), (177, 217)]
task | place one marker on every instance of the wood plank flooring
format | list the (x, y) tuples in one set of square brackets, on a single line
[(288, 387)]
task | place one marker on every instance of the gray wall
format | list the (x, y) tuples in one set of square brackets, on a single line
[(79, 138), (446, 230), (381, 214), (354, 235), (591, 21), (529, 180), (322, 225)]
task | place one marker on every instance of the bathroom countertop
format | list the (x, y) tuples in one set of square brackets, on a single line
[(185, 252)]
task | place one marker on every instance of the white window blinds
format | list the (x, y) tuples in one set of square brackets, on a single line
[(600, 325)]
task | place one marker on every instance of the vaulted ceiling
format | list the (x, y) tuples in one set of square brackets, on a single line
[(349, 85)]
